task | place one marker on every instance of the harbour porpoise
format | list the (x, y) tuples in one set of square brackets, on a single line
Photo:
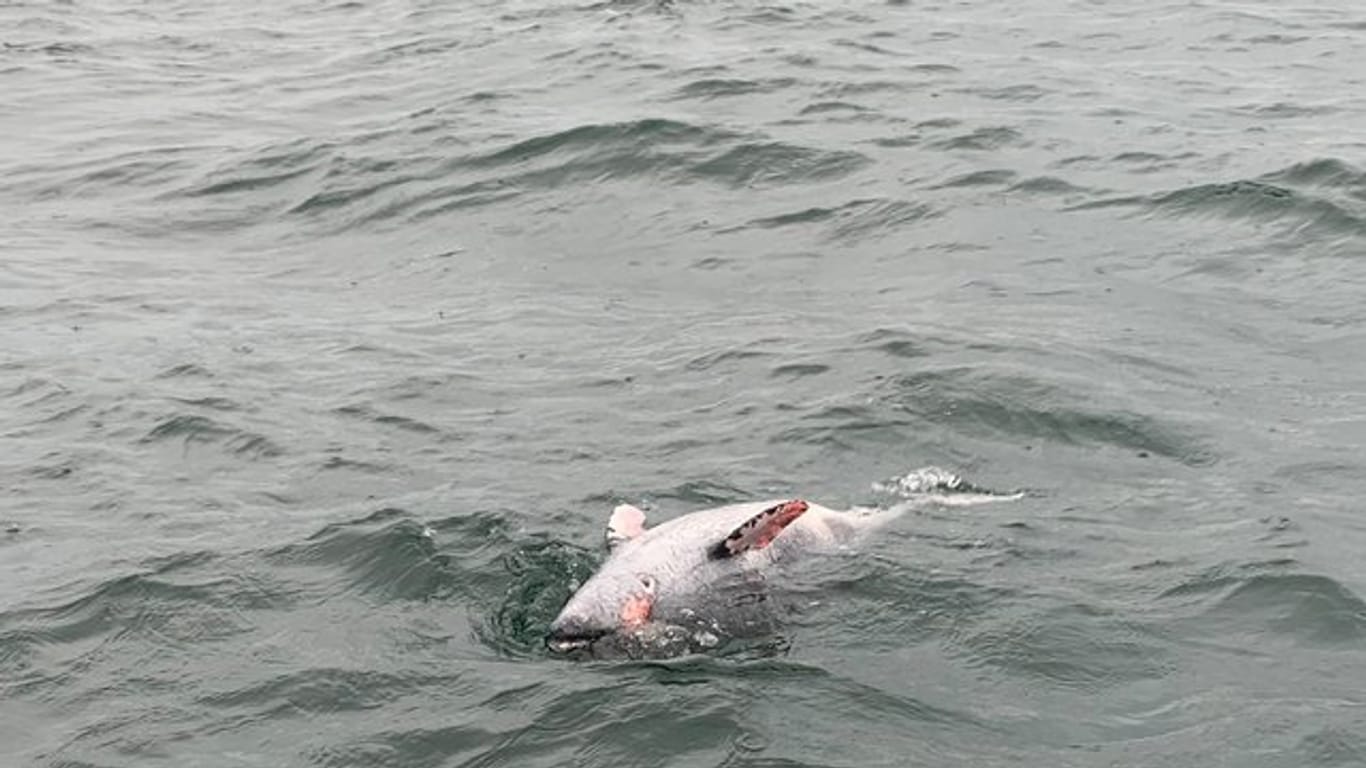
[(688, 583)]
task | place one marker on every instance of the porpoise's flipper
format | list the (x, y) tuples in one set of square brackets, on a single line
[(626, 523), (758, 531)]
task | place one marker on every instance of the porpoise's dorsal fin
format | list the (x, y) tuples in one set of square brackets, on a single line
[(626, 523), (758, 531)]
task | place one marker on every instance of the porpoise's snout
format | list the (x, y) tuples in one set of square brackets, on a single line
[(570, 633)]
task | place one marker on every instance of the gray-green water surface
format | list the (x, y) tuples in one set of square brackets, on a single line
[(330, 332)]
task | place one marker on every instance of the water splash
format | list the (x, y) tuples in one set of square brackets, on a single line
[(933, 485)]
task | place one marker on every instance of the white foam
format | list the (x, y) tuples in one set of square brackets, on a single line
[(938, 487), (920, 481)]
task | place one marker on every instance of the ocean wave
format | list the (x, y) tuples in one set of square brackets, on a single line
[(853, 221), (660, 149), (1073, 647), (190, 429), (975, 402), (1272, 603), (715, 88), (1316, 198)]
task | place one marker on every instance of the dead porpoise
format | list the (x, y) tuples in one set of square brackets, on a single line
[(693, 580)]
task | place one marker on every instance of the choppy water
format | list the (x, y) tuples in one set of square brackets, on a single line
[(331, 331)]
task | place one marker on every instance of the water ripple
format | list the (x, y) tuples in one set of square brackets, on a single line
[(191, 429), (976, 402), (1300, 607), (776, 163), (854, 220), (722, 88), (1282, 197)]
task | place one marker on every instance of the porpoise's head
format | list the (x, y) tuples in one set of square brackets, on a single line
[(615, 601), (647, 591), (618, 598)]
